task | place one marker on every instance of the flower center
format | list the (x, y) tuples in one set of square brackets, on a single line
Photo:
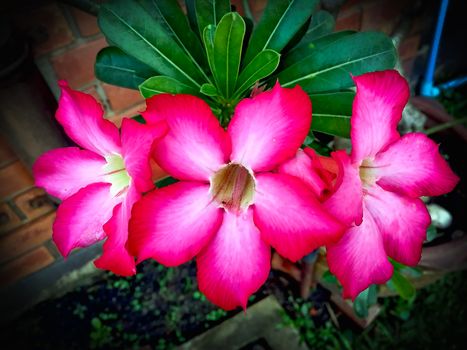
[(116, 174), (233, 187), (368, 173)]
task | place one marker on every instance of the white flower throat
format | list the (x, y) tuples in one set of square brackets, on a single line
[(116, 174)]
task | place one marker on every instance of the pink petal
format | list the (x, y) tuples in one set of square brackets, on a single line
[(137, 142), (235, 263), (269, 128), (402, 221), (290, 218), (115, 256), (64, 171), (346, 202), (172, 224), (81, 216), (414, 167), (377, 109), (302, 166), (82, 118), (196, 145), (359, 259), (326, 167)]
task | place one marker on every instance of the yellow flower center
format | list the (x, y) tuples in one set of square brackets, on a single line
[(116, 174), (233, 187), (368, 173)]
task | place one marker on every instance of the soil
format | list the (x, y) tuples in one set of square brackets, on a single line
[(159, 307)]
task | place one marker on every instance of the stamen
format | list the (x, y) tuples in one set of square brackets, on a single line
[(233, 187)]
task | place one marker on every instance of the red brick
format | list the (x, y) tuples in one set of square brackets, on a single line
[(34, 203), (257, 8), (93, 92), (47, 27), (129, 113), (393, 9), (14, 178), (87, 23), (238, 4), (349, 20), (349, 5), (382, 15), (120, 98), (77, 65), (409, 47), (8, 219), (25, 265), (6, 154), (26, 237)]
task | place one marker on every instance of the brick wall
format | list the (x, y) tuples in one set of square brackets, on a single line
[(26, 216), (65, 43), (66, 47)]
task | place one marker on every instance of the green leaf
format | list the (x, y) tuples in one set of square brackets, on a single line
[(264, 64), (96, 323), (328, 277), (322, 23), (431, 233), (364, 300), (332, 112), (115, 67), (166, 181), (307, 48), (210, 12), (227, 51), (169, 14), (329, 68), (191, 14), (281, 20), (162, 84), (209, 90), (402, 285), (139, 118), (130, 27), (208, 40)]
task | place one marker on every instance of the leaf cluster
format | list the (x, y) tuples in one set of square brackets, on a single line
[(215, 53)]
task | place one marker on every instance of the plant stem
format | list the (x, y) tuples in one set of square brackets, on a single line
[(445, 126)]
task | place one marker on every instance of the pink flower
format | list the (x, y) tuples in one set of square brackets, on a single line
[(378, 187), (98, 184), (229, 207)]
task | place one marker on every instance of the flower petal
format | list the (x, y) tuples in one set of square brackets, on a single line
[(326, 167), (115, 256), (82, 118), (235, 263), (414, 167), (359, 259), (137, 142), (172, 224), (269, 128), (195, 145), (377, 109), (402, 221), (290, 218), (64, 171), (81, 217), (302, 166), (346, 202)]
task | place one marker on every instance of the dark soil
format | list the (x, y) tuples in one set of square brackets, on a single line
[(160, 307)]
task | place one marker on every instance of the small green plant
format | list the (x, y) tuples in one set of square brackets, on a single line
[(101, 334), (215, 315), (80, 311), (324, 337)]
